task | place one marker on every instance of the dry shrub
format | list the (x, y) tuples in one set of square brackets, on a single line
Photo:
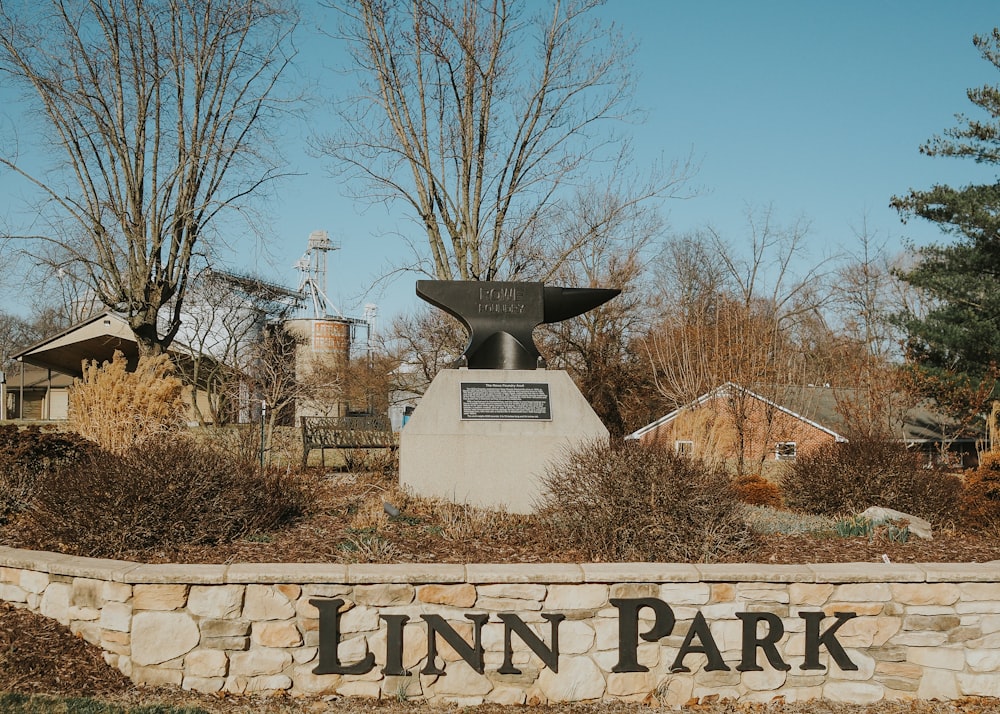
[(644, 503), (241, 441), (756, 490), (846, 478), (981, 496), (383, 462), (376, 461), (25, 455), (158, 496), (119, 409)]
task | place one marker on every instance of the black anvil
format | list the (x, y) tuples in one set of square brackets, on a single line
[(500, 316)]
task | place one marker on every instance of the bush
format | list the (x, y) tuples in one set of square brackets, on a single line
[(756, 490), (844, 479), (240, 441), (378, 462), (639, 503), (119, 409), (24, 456), (981, 497), (158, 496)]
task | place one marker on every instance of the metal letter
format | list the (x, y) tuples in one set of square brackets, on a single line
[(329, 641), (708, 647), (472, 654), (751, 642), (394, 646), (828, 639), (548, 655), (628, 629)]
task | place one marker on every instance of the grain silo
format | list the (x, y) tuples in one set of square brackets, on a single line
[(327, 339)]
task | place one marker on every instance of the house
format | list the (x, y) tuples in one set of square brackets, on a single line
[(50, 366), (34, 393), (782, 424)]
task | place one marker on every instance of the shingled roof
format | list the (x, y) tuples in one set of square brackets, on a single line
[(821, 405)]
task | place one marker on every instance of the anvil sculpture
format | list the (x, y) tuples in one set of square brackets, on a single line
[(500, 316)]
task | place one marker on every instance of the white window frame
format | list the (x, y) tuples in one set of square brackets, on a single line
[(684, 447), (782, 449)]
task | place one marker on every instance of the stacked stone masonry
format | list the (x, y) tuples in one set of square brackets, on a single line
[(919, 631)]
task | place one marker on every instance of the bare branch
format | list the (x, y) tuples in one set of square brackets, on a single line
[(157, 108)]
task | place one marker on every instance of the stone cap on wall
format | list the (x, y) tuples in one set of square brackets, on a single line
[(366, 573)]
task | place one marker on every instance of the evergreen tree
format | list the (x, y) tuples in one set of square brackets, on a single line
[(959, 335)]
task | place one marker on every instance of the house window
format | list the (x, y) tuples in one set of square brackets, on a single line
[(784, 451), (684, 448)]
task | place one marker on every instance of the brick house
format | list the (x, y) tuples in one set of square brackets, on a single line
[(731, 419), (787, 423)]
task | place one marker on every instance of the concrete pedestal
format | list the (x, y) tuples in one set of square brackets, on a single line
[(491, 462)]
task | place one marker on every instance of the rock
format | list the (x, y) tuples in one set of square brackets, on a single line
[(918, 526), (55, 602), (216, 601), (266, 603), (117, 616), (160, 636), (159, 597), (276, 634), (579, 679), (259, 662), (463, 595), (206, 664)]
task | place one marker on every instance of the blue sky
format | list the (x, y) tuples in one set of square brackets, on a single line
[(814, 108)]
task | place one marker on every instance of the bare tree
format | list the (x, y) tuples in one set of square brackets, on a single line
[(270, 372), (596, 347), (225, 318), (744, 322), (476, 116), (865, 294), (156, 109), (423, 344)]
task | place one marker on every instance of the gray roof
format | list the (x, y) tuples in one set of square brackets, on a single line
[(824, 405)]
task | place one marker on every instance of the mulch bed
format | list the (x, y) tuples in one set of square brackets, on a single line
[(39, 655), (946, 547), (346, 524)]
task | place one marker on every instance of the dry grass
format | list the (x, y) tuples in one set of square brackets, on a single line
[(119, 409)]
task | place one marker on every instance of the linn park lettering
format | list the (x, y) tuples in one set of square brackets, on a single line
[(760, 632)]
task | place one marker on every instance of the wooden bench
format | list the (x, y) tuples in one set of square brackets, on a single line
[(346, 432)]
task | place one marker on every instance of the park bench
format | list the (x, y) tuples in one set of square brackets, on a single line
[(346, 432)]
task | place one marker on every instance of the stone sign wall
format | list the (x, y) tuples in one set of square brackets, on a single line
[(468, 634)]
